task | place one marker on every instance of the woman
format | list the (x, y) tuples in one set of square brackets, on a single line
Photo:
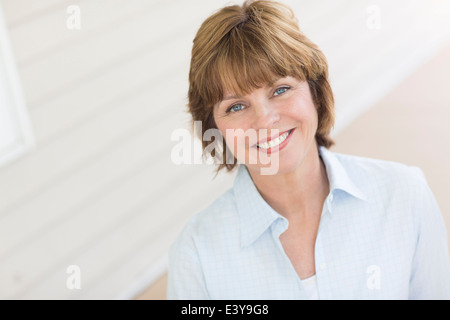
[(321, 225)]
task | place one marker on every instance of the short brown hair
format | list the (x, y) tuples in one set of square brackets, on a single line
[(241, 48)]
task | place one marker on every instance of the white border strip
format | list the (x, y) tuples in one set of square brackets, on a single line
[(14, 94)]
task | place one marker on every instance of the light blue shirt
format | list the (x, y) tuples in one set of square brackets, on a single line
[(381, 236)]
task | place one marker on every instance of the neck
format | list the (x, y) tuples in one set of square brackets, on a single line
[(299, 193)]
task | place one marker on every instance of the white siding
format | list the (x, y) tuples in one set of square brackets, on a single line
[(16, 137), (100, 191)]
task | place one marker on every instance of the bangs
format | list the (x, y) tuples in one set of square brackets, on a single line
[(247, 60)]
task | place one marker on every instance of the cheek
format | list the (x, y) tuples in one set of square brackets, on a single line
[(306, 114), (231, 130), (236, 141), (231, 140)]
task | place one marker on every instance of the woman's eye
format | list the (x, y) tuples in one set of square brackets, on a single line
[(280, 91), (236, 107)]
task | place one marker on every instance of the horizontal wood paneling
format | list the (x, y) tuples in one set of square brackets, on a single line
[(101, 146), (72, 65), (21, 12)]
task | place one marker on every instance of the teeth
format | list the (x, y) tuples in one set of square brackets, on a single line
[(274, 142)]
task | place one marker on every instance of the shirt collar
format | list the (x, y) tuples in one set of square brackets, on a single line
[(256, 215), (338, 176)]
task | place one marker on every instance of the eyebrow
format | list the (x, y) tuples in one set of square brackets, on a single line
[(230, 98)]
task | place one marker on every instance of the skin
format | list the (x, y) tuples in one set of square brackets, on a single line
[(300, 186)]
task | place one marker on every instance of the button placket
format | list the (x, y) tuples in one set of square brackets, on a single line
[(279, 227)]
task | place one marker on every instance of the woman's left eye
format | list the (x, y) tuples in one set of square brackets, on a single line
[(280, 90)]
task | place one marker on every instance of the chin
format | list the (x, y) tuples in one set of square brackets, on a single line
[(285, 165)]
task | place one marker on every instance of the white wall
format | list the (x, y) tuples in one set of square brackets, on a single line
[(100, 190)]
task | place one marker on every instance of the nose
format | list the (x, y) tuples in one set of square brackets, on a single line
[(265, 115)]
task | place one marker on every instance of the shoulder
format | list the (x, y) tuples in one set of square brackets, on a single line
[(380, 173), (396, 192)]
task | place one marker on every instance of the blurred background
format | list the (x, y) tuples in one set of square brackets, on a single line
[(92, 90)]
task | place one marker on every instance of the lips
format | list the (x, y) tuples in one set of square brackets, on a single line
[(275, 143)]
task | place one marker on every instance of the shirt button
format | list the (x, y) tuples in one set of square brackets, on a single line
[(331, 197), (322, 266)]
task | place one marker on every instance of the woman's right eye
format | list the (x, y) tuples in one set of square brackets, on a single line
[(236, 108)]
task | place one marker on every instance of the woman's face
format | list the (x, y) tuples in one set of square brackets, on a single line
[(283, 113)]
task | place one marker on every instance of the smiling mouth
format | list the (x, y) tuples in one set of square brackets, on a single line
[(274, 142)]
